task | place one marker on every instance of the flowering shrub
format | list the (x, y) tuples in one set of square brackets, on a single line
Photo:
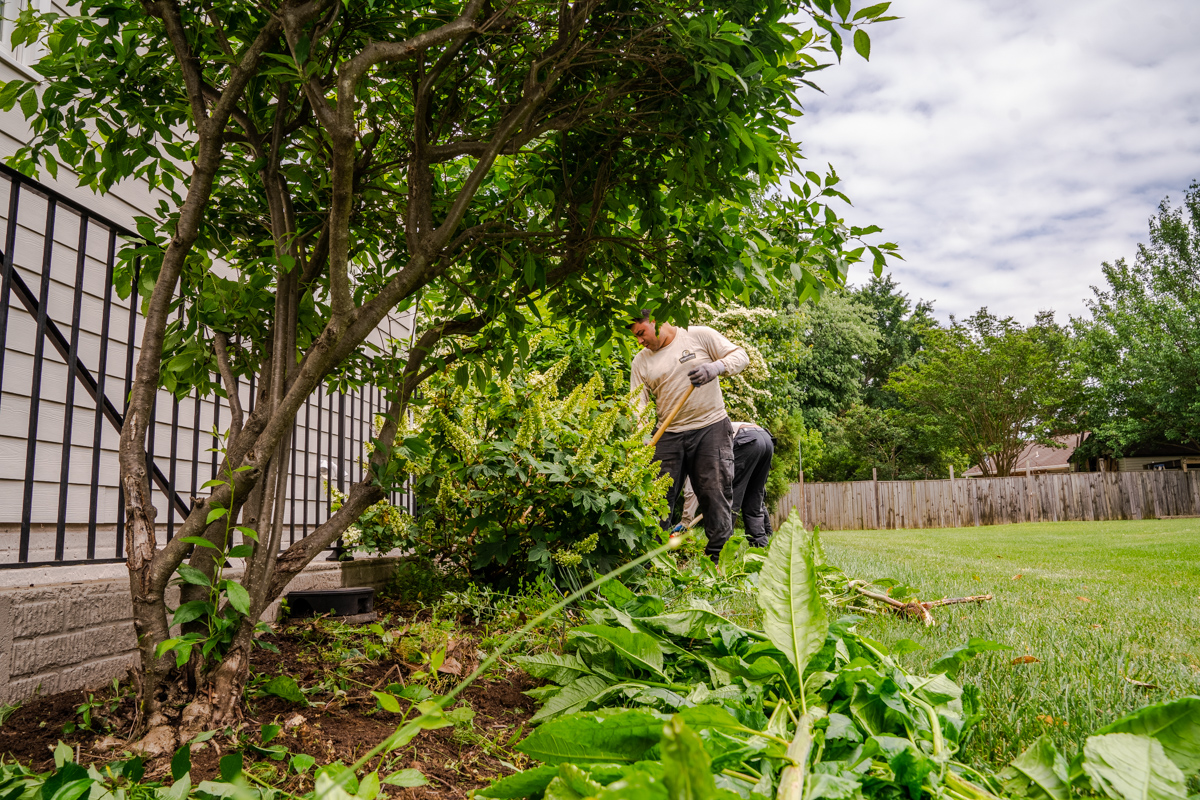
[(517, 479), (381, 528)]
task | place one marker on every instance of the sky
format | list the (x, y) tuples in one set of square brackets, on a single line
[(1011, 146)]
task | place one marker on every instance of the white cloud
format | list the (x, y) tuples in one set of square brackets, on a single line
[(1010, 147)]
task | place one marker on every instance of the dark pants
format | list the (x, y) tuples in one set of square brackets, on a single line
[(704, 455), (752, 453)]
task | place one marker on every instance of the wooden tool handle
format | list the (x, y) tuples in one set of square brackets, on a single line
[(671, 417)]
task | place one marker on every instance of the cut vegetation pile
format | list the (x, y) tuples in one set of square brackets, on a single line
[(688, 681)]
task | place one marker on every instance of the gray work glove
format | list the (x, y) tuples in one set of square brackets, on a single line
[(704, 373)]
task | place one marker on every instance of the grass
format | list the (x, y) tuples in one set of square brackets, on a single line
[(1099, 604)]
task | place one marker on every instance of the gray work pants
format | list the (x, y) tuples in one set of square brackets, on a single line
[(704, 455), (752, 453)]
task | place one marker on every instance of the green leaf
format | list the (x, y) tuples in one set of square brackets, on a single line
[(199, 542), (230, 766), (387, 702), (862, 44), (406, 778), (523, 784), (269, 732), (573, 697), (952, 661), (302, 763), (687, 767), (597, 737), (794, 616), (286, 687), (191, 575), (239, 598), (190, 611), (181, 762), (368, 787), (710, 717), (691, 623), (1040, 773), (215, 514), (431, 719), (1176, 726), (639, 649), (1128, 766), (560, 669)]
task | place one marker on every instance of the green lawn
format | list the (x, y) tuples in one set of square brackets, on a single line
[(1096, 603)]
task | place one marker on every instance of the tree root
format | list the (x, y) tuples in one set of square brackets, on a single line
[(917, 609)]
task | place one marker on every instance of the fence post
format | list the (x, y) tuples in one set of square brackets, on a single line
[(1029, 493), (875, 482)]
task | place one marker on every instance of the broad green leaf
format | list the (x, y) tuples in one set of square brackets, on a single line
[(191, 575), (692, 623), (950, 663), (560, 669), (573, 697), (326, 789), (199, 542), (239, 598), (1176, 726), (862, 43), (302, 762), (286, 687), (430, 720), (387, 702), (215, 514), (189, 611), (1128, 766), (230, 765), (1040, 773), (406, 778), (181, 762), (269, 732), (710, 717), (639, 649), (595, 737), (368, 787), (523, 784), (687, 767), (794, 616)]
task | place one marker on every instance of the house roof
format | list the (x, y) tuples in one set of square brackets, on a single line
[(1038, 457), (1149, 448)]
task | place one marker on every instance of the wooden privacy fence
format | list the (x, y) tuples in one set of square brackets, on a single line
[(870, 505)]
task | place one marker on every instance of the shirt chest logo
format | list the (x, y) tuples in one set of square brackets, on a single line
[(687, 356)]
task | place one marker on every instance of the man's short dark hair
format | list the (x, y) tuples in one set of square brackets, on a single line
[(644, 317)]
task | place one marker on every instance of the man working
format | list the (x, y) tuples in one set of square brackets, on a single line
[(698, 444), (753, 450)]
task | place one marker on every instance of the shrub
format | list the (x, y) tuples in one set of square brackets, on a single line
[(517, 480)]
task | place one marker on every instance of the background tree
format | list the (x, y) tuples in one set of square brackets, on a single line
[(901, 327), (331, 162), (991, 385), (1140, 350)]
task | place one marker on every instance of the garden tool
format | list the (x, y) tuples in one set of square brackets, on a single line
[(671, 417)]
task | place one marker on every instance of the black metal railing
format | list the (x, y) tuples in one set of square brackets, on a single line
[(58, 266)]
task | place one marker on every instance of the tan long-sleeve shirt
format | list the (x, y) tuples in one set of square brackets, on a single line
[(663, 375)]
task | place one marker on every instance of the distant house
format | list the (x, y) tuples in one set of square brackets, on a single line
[(1039, 459), (1093, 455)]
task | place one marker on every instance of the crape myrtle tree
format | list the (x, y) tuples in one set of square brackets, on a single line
[(332, 161), (991, 386), (1140, 349)]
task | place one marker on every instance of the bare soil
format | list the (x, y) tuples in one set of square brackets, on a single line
[(341, 721)]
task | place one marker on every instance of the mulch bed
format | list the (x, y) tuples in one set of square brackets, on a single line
[(454, 761)]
